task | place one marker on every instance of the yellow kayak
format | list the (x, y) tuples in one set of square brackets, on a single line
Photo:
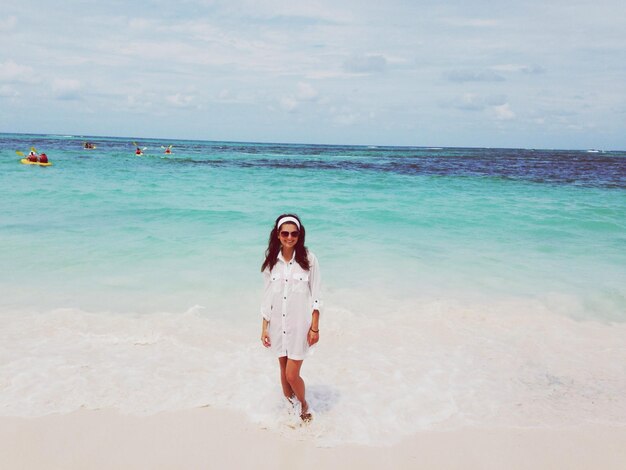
[(25, 161)]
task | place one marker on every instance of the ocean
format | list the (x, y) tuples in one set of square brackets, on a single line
[(463, 286)]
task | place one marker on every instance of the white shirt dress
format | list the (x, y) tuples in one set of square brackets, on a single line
[(290, 296)]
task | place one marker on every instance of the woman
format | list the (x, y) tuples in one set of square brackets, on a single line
[(291, 304)]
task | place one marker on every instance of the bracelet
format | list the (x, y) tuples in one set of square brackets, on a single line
[(314, 331)]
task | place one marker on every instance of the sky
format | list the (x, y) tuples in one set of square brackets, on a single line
[(528, 74)]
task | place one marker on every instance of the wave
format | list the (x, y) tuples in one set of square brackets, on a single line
[(417, 365)]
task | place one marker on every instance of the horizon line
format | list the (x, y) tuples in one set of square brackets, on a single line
[(373, 146)]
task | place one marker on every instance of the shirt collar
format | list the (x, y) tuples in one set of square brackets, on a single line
[(282, 258)]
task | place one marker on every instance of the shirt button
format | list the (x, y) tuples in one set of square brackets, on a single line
[(285, 298)]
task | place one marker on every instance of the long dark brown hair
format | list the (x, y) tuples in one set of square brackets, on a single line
[(274, 246)]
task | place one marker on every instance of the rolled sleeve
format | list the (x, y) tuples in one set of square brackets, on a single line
[(315, 283), (266, 304)]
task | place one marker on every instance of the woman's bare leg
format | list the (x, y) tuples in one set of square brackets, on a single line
[(292, 374), (287, 390)]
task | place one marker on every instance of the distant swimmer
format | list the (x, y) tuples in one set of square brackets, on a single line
[(168, 149), (89, 145), (138, 150)]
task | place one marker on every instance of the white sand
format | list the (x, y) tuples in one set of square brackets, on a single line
[(212, 438)]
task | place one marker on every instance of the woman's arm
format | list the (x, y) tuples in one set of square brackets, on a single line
[(265, 336), (315, 282), (315, 320), (266, 307), (314, 332)]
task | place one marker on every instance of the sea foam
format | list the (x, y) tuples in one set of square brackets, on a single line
[(374, 379)]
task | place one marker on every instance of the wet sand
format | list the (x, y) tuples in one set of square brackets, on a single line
[(215, 438)]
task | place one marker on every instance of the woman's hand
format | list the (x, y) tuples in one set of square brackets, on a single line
[(313, 337), (265, 338)]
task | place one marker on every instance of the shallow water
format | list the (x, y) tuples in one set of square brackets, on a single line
[(463, 286)]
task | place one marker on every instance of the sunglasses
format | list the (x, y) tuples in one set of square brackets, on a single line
[(285, 234)]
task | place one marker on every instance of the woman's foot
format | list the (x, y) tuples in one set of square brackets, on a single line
[(290, 402), (305, 413)]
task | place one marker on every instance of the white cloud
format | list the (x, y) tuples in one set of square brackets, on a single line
[(8, 24), (66, 88), (15, 73), (344, 115), (503, 112), (474, 76), (345, 119), (495, 100), (137, 104), (528, 69), (469, 102), (7, 91), (533, 69), (475, 102), (471, 22), (226, 95), (313, 10), (328, 74), (288, 103), (140, 23), (179, 100), (306, 92), (369, 63)]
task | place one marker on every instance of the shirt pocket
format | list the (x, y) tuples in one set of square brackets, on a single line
[(300, 282), (276, 279)]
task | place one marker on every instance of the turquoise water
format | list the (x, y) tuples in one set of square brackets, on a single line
[(107, 230), (463, 287)]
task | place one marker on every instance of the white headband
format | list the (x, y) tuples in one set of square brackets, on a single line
[(288, 219)]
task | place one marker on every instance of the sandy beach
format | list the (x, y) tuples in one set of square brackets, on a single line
[(457, 170), (213, 438)]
